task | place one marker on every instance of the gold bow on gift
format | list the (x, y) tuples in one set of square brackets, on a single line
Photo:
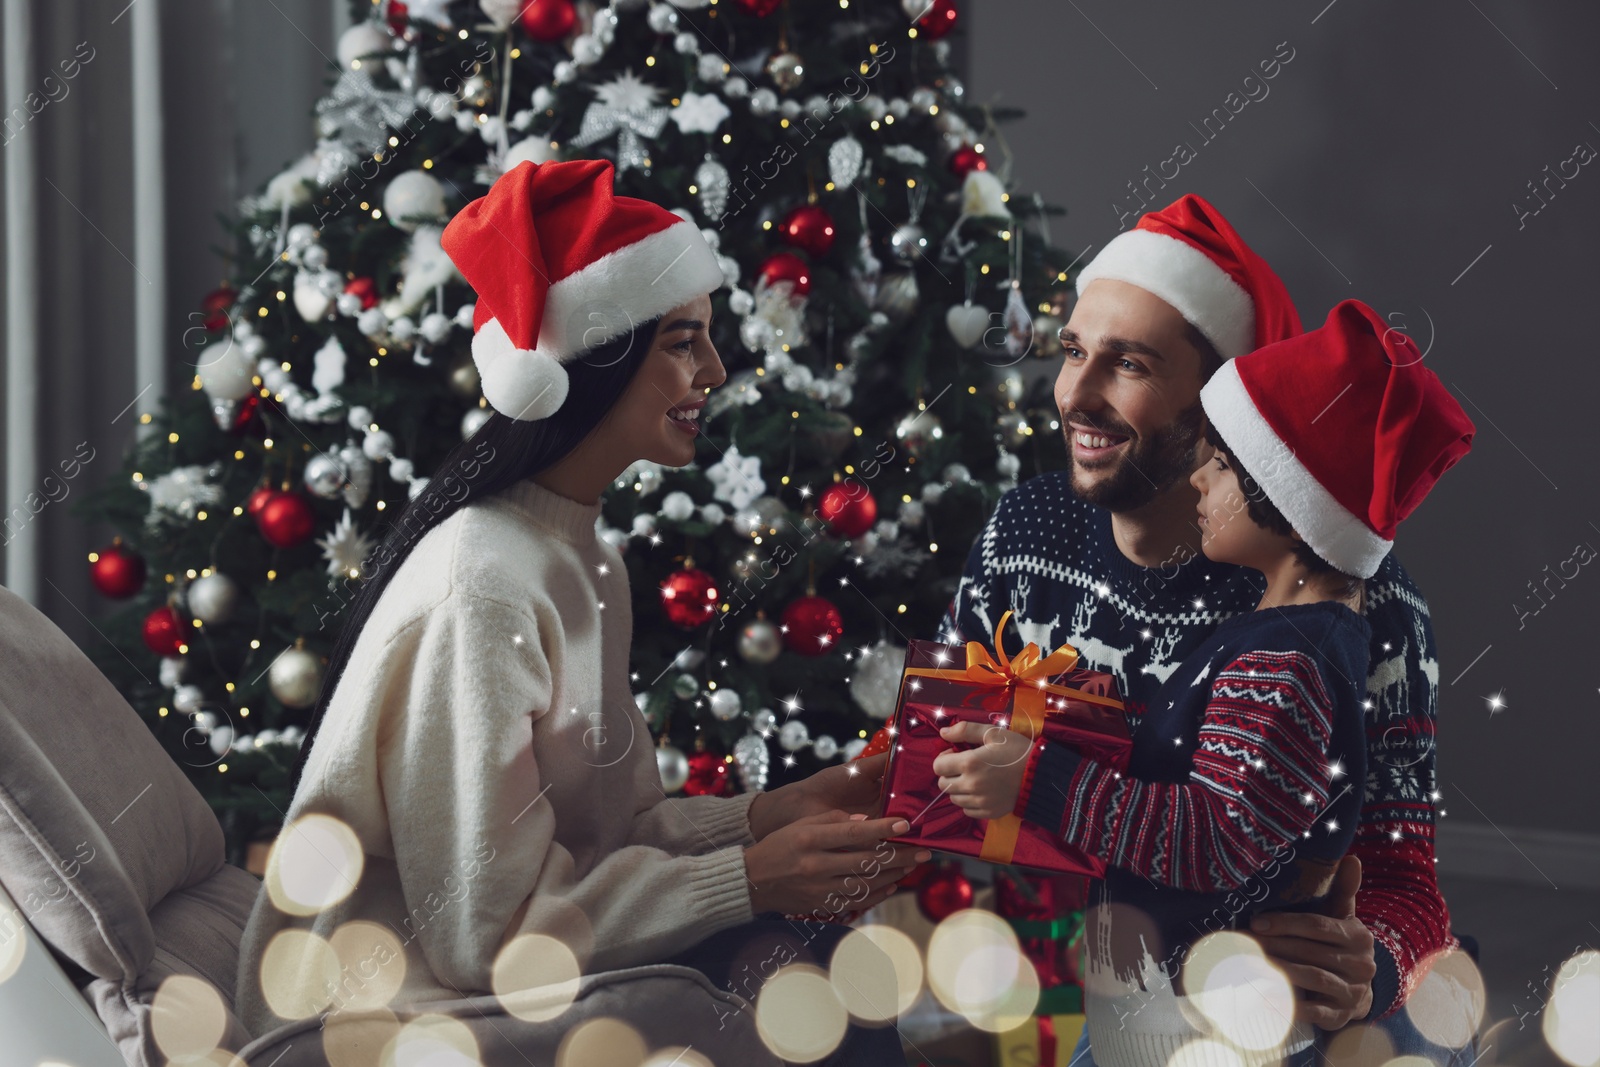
[(1026, 673)]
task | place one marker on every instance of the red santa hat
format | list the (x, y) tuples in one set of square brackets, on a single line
[(1344, 429), (1189, 256), (561, 266)]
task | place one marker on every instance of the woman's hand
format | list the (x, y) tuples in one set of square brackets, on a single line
[(851, 787), (828, 864), (1328, 957), (984, 781)]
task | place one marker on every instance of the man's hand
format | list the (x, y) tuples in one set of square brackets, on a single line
[(983, 781), (1329, 956), (851, 787)]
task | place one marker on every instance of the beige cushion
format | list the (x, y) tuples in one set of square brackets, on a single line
[(111, 854)]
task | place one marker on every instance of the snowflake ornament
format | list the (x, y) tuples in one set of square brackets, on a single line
[(737, 479), (179, 493), (700, 113)]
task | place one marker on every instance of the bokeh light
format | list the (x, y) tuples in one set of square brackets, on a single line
[(372, 965), (536, 977), (877, 972), (799, 1016), (432, 1041), (13, 941), (351, 1039), (187, 1017), (315, 863), (977, 968), (1448, 1004), (1572, 1018), (677, 1056), (601, 1042), (1247, 999), (299, 974), (1203, 1052)]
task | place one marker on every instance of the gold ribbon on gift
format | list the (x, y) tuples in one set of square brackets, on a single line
[(1025, 673)]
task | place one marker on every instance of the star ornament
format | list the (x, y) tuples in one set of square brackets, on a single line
[(345, 547), (628, 92)]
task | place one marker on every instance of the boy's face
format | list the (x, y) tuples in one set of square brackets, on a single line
[(1227, 532), (1129, 396)]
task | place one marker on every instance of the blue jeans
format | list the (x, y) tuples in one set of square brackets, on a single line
[(741, 958), (1403, 1038)]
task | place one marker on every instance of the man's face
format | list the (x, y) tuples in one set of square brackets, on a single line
[(1129, 396)]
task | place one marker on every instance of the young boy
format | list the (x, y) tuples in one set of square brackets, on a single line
[(1245, 781)]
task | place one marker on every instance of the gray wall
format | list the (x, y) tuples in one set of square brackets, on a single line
[(1384, 160)]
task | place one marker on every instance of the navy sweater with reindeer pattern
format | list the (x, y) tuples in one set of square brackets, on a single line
[(1051, 559)]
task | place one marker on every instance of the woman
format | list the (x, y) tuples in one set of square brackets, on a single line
[(477, 745)]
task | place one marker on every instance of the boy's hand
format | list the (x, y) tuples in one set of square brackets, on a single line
[(983, 781)]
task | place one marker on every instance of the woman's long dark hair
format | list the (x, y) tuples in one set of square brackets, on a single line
[(515, 450)]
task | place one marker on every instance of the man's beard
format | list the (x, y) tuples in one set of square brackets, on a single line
[(1147, 468)]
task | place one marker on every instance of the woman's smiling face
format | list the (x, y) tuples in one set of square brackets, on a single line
[(659, 412)]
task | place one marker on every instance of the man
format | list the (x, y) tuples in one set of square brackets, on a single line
[(1105, 555)]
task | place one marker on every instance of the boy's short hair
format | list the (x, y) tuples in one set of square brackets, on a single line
[(1264, 513)]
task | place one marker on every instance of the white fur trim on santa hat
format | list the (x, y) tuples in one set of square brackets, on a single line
[(1184, 277), (634, 284), (519, 383), (1333, 531)]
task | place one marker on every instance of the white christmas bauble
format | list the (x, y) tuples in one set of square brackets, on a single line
[(189, 699), (402, 329), (764, 721), (853, 748), (296, 678), (225, 370), (824, 747), (401, 469), (899, 107), (644, 525), (684, 687), (586, 49), (563, 72), (363, 39), (790, 109), (711, 68), (266, 737), (677, 506), (473, 421), (173, 668), (348, 304), (213, 598), (725, 704), (662, 18), (875, 679), (309, 299), (378, 445), (673, 767), (736, 87), (763, 102), (760, 642), (794, 736), (741, 302), (435, 327), (464, 315), (315, 257), (530, 150), (923, 98), (686, 44), (543, 97), (911, 512), (359, 417), (957, 473), (713, 514), (372, 322), (325, 475), (932, 491), (221, 740), (412, 198)]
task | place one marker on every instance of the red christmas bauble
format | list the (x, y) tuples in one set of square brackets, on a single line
[(759, 8), (396, 16), (787, 267), (965, 160), (708, 776), (809, 228), (939, 19), (943, 894), (365, 288), (244, 417), (216, 304), (919, 874), (880, 742), (117, 571), (848, 508), (286, 520), (689, 597), (812, 626), (549, 20), (163, 631), (258, 500)]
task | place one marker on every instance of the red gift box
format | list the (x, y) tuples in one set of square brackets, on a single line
[(1033, 694)]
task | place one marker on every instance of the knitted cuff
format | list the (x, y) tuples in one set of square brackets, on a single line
[(1053, 769), (1028, 768), (1385, 984)]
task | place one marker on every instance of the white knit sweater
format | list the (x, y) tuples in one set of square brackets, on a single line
[(484, 746)]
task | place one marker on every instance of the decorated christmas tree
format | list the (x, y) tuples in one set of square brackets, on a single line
[(888, 301)]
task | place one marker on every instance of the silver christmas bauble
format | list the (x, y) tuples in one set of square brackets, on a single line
[(907, 242), (673, 767), (875, 679), (760, 642), (764, 721), (897, 295), (213, 598), (296, 678), (1047, 335), (786, 70), (918, 430), (684, 687), (751, 759), (794, 736), (725, 704), (465, 381), (412, 198), (189, 699), (473, 421), (324, 475), (824, 747)]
